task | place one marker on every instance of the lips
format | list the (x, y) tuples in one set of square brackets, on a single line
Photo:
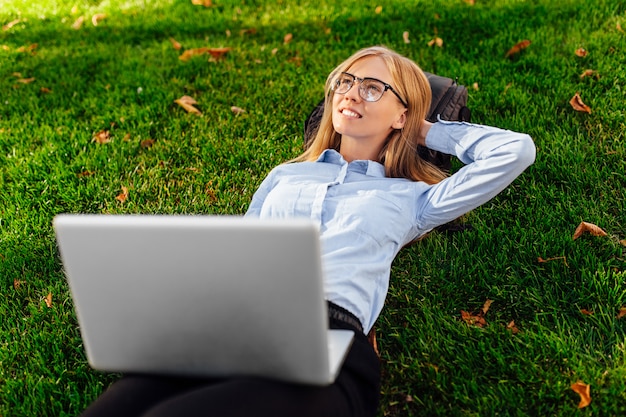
[(350, 113)]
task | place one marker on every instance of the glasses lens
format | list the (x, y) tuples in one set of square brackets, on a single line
[(371, 90), (343, 83)]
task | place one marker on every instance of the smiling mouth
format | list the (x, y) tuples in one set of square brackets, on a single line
[(350, 113)]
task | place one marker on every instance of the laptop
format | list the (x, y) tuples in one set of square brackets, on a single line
[(201, 296)]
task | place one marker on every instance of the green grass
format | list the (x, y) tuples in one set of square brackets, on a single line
[(124, 75)]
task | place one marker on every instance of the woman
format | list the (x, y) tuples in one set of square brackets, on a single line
[(363, 183)]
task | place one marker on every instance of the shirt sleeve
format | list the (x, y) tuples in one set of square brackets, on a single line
[(494, 158), (254, 209)]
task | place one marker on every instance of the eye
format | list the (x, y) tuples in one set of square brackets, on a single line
[(372, 90)]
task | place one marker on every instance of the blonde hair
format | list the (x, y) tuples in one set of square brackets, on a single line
[(399, 154)]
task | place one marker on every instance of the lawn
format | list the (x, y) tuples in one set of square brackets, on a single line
[(89, 123)]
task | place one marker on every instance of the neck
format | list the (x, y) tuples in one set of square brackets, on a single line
[(353, 150)]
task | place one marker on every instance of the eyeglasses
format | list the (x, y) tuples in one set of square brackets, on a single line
[(370, 89)]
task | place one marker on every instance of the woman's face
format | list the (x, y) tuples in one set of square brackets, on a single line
[(367, 122)]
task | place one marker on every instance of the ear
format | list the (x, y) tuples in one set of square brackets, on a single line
[(400, 121)]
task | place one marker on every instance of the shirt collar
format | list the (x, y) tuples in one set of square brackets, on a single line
[(371, 168)]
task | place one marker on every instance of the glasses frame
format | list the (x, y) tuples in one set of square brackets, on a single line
[(362, 93)]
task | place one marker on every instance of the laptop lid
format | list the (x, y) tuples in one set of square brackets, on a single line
[(207, 296)]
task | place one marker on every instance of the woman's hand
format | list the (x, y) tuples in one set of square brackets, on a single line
[(421, 138)]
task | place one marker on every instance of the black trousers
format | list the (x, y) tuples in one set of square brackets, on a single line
[(355, 393)]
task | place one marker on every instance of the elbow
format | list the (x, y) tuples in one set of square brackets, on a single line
[(525, 151)]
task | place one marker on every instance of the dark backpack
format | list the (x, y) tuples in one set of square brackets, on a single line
[(449, 101)]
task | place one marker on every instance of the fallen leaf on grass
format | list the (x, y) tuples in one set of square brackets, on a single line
[(436, 41), (48, 300), (585, 227), (214, 52), (584, 391), (26, 80), (97, 18), (11, 24), (30, 48), (578, 105), (378, 9), (237, 110), (123, 196), (586, 312), (477, 320), (78, 23), (85, 174), (288, 38), (622, 312), (17, 283), (512, 327), (541, 260), (405, 36), (102, 137), (45, 90), (175, 44), (470, 2), (205, 3), (581, 52), (622, 242), (517, 48), (187, 103), (147, 143), (589, 73)]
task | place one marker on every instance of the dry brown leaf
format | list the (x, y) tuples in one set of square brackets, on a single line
[(405, 36), (17, 284), (175, 44), (205, 3), (30, 48), (586, 312), (584, 391), (578, 105), (45, 90), (371, 337), (97, 18), (48, 300), (218, 53), (585, 227), (486, 306), (78, 23), (512, 327), (541, 260), (517, 48), (147, 143), (102, 137), (26, 80), (621, 313), (288, 38), (123, 196), (473, 320), (581, 52), (475, 86), (187, 103), (437, 41), (588, 73), (622, 242), (470, 2), (85, 174), (378, 9), (237, 110), (11, 24)]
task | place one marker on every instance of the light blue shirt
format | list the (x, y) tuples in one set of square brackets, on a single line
[(365, 218)]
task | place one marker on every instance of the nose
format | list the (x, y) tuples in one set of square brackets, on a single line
[(353, 93)]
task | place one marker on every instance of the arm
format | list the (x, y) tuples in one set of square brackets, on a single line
[(494, 158)]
